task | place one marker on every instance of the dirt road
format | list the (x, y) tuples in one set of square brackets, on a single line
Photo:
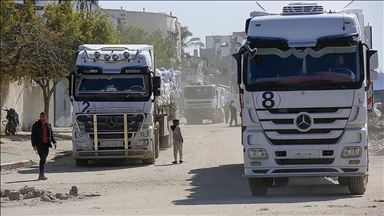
[(209, 182)]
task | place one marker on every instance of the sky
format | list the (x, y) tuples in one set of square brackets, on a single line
[(205, 18)]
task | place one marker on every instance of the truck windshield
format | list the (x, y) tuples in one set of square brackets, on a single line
[(117, 85), (203, 92), (304, 68)]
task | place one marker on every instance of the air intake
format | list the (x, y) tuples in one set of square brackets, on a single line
[(302, 8)]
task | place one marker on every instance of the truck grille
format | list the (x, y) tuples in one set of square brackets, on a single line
[(304, 125), (198, 104), (107, 123), (111, 136)]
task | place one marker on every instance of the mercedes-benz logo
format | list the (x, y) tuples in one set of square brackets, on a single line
[(111, 122), (303, 122)]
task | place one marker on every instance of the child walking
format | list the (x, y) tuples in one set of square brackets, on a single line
[(177, 141)]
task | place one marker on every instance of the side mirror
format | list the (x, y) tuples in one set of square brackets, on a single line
[(371, 58), (156, 85)]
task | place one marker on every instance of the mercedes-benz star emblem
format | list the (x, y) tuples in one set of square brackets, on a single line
[(111, 122), (303, 122)]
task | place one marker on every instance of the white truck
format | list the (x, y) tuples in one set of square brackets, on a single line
[(204, 102), (115, 116), (304, 75)]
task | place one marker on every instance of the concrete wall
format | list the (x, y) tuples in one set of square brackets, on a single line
[(26, 100), (63, 106)]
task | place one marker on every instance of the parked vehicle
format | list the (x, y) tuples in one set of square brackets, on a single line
[(12, 121), (304, 111), (117, 111)]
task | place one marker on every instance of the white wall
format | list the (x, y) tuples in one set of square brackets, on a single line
[(26, 100)]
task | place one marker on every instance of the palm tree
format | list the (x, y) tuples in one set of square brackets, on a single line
[(185, 42)]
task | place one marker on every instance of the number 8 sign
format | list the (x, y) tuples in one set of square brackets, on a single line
[(268, 100)]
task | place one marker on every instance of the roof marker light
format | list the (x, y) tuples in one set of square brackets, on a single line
[(115, 57), (126, 55), (97, 55), (107, 57)]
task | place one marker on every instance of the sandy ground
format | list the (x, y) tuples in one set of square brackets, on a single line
[(209, 182)]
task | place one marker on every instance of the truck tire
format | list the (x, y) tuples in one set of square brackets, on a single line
[(81, 162), (281, 182), (342, 181), (258, 186), (269, 181), (357, 184)]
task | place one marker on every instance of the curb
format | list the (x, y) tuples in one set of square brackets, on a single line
[(16, 165), (28, 163)]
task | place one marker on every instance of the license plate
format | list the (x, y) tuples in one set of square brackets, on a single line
[(304, 153), (111, 144)]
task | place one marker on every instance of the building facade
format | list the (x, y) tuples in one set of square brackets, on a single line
[(218, 56), (167, 24)]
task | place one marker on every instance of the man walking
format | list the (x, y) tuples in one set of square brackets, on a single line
[(41, 138), (233, 114), (177, 141)]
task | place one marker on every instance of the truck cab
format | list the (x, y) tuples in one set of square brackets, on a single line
[(203, 102), (304, 75), (112, 90)]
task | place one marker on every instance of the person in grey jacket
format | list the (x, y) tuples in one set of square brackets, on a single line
[(177, 141)]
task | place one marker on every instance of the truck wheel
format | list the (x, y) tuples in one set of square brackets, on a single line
[(7, 131), (342, 181), (281, 182), (357, 184), (81, 162), (258, 186)]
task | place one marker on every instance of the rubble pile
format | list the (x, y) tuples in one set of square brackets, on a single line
[(26, 193), (376, 129)]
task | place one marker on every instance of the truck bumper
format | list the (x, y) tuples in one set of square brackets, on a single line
[(114, 154), (305, 160)]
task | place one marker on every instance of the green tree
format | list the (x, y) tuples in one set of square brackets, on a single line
[(43, 48), (20, 33), (165, 50), (186, 41)]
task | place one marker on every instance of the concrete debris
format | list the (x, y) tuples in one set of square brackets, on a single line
[(46, 196), (73, 191), (29, 195), (6, 193), (14, 195)]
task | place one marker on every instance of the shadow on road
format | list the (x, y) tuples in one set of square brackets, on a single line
[(225, 185), (67, 164), (22, 181)]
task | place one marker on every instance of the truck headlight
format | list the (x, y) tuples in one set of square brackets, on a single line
[(81, 144), (351, 152), (257, 153), (142, 142)]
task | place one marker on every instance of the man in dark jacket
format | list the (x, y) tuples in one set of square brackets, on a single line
[(233, 114), (42, 139)]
